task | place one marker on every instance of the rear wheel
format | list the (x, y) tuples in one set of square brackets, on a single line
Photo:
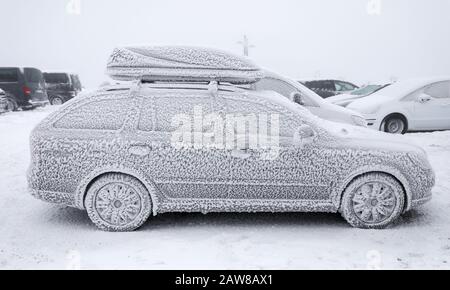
[(11, 105), (118, 202), (395, 125), (373, 201)]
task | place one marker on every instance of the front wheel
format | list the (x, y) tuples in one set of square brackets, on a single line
[(118, 203), (395, 125), (373, 201)]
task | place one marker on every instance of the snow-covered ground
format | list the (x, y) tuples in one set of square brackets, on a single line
[(34, 234)]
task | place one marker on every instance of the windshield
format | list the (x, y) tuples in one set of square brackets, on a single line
[(367, 90), (56, 78)]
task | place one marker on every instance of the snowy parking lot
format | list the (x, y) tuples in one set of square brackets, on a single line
[(34, 234)]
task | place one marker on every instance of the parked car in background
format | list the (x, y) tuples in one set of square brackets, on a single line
[(345, 99), (3, 102), (329, 88), (24, 87), (408, 105), (112, 152), (61, 87), (303, 96)]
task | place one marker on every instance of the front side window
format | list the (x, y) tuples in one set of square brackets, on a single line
[(168, 109), (284, 89), (97, 115), (439, 90), (262, 118), (270, 84)]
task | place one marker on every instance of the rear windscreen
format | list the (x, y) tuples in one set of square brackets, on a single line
[(33, 75), (52, 78), (8, 75)]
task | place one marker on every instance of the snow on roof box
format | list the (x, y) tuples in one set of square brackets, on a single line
[(173, 63)]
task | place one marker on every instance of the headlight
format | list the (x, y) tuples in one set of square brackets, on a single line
[(359, 121)]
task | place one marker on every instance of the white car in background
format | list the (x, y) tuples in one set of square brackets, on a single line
[(408, 105), (297, 92)]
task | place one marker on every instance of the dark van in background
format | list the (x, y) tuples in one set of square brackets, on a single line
[(61, 87), (24, 88)]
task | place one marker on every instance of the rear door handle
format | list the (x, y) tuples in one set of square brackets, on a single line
[(140, 150)]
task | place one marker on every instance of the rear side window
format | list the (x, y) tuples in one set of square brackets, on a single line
[(9, 75), (51, 78), (33, 75), (97, 115)]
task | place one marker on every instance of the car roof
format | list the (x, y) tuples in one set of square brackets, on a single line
[(404, 87)]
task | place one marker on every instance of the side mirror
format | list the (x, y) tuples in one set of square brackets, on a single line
[(424, 98), (304, 135), (297, 98)]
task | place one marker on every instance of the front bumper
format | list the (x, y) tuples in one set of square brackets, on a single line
[(373, 122), (54, 197), (419, 202)]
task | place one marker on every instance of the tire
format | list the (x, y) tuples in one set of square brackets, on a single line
[(11, 105), (56, 101), (373, 201), (395, 125), (118, 203)]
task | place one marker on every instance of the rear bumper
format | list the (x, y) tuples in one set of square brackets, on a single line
[(35, 104), (54, 197)]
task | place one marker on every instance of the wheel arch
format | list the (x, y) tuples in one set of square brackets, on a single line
[(84, 185), (377, 169)]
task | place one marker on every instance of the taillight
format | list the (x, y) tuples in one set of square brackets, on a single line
[(26, 90)]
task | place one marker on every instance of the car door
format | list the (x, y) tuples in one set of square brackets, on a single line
[(432, 107), (172, 146), (273, 170)]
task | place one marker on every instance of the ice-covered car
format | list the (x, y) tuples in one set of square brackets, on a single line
[(346, 99), (177, 142), (300, 94), (408, 105), (3, 101)]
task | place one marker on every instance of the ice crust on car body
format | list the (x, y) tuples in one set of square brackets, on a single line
[(128, 131)]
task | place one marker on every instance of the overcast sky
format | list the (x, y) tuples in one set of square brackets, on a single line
[(359, 40)]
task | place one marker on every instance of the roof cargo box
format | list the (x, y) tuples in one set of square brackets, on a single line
[(173, 63)]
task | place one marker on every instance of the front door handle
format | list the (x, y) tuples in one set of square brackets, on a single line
[(140, 150)]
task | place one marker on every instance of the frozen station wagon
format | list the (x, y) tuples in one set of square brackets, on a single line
[(119, 153)]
